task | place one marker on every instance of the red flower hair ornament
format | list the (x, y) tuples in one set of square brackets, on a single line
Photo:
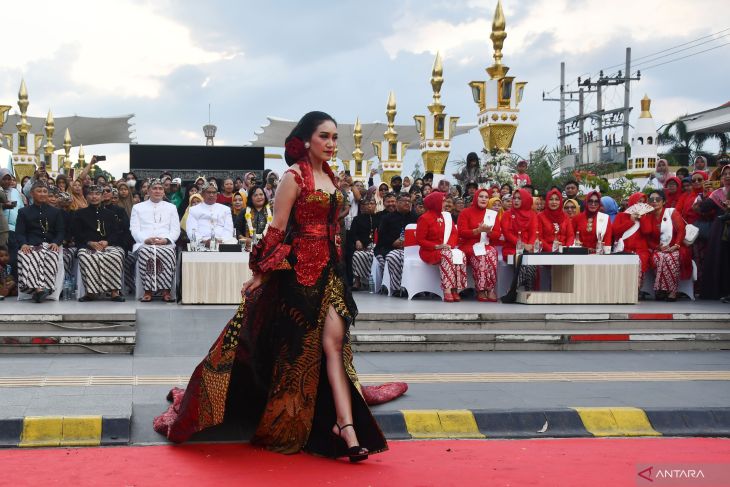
[(296, 148)]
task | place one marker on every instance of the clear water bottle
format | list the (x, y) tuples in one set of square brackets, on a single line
[(556, 244), (67, 290), (519, 246), (599, 244), (577, 242), (371, 284), (538, 244)]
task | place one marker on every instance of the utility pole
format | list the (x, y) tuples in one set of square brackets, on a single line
[(581, 123), (604, 119), (627, 96), (562, 107), (563, 101)]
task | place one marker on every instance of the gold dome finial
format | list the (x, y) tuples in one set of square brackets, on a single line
[(357, 154), (498, 35), (49, 129), (390, 134), (437, 79), (645, 107)]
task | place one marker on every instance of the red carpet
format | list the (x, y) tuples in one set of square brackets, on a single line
[(563, 462)]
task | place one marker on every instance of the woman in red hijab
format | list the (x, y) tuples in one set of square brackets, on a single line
[(673, 192), (437, 236), (478, 226), (664, 232), (592, 224), (553, 224), (519, 223), (689, 205), (629, 239), (689, 201)]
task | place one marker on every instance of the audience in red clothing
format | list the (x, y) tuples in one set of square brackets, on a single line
[(478, 227), (592, 225), (437, 235), (626, 230), (554, 224), (664, 230)]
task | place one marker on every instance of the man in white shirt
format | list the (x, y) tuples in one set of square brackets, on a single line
[(155, 227), (210, 218)]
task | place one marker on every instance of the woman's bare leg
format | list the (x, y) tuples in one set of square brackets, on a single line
[(332, 340)]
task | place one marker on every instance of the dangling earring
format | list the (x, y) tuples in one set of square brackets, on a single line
[(307, 145)]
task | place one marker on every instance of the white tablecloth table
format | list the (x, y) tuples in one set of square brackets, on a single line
[(586, 279), (213, 277)]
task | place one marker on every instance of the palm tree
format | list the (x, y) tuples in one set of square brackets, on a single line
[(684, 145)]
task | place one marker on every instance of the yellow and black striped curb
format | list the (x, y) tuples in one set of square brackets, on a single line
[(554, 423), (49, 431), (66, 431)]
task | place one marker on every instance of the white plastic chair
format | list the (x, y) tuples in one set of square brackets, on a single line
[(686, 286), (60, 275), (419, 277), (376, 274), (139, 287)]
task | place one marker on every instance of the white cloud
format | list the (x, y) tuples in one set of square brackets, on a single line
[(118, 48), (572, 27)]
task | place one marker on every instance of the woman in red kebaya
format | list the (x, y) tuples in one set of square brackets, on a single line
[(664, 232), (478, 226), (628, 237), (437, 235), (519, 224), (673, 192), (592, 224), (553, 224), (697, 190), (690, 204)]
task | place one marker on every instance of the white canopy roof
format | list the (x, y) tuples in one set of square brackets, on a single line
[(273, 135), (84, 130), (713, 120)]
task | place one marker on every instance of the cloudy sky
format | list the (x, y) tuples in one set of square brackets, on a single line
[(165, 61)]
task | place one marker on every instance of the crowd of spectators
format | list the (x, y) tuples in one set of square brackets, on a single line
[(461, 226)]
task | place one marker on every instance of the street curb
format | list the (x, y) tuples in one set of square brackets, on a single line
[(586, 422), (64, 431), (558, 423)]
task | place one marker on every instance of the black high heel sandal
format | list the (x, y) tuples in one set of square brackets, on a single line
[(354, 453)]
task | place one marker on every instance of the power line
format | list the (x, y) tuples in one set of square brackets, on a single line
[(685, 57), (671, 48), (681, 50)]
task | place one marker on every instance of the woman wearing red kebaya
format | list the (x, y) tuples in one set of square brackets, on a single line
[(554, 225), (478, 227), (437, 236), (592, 224), (664, 232), (626, 229)]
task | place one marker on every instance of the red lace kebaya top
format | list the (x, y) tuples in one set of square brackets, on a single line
[(431, 227), (469, 219), (314, 231), (315, 227)]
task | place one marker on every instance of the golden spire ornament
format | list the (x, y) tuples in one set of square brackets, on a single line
[(82, 157), (497, 102), (49, 129), (23, 125), (67, 150), (390, 151), (436, 129)]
